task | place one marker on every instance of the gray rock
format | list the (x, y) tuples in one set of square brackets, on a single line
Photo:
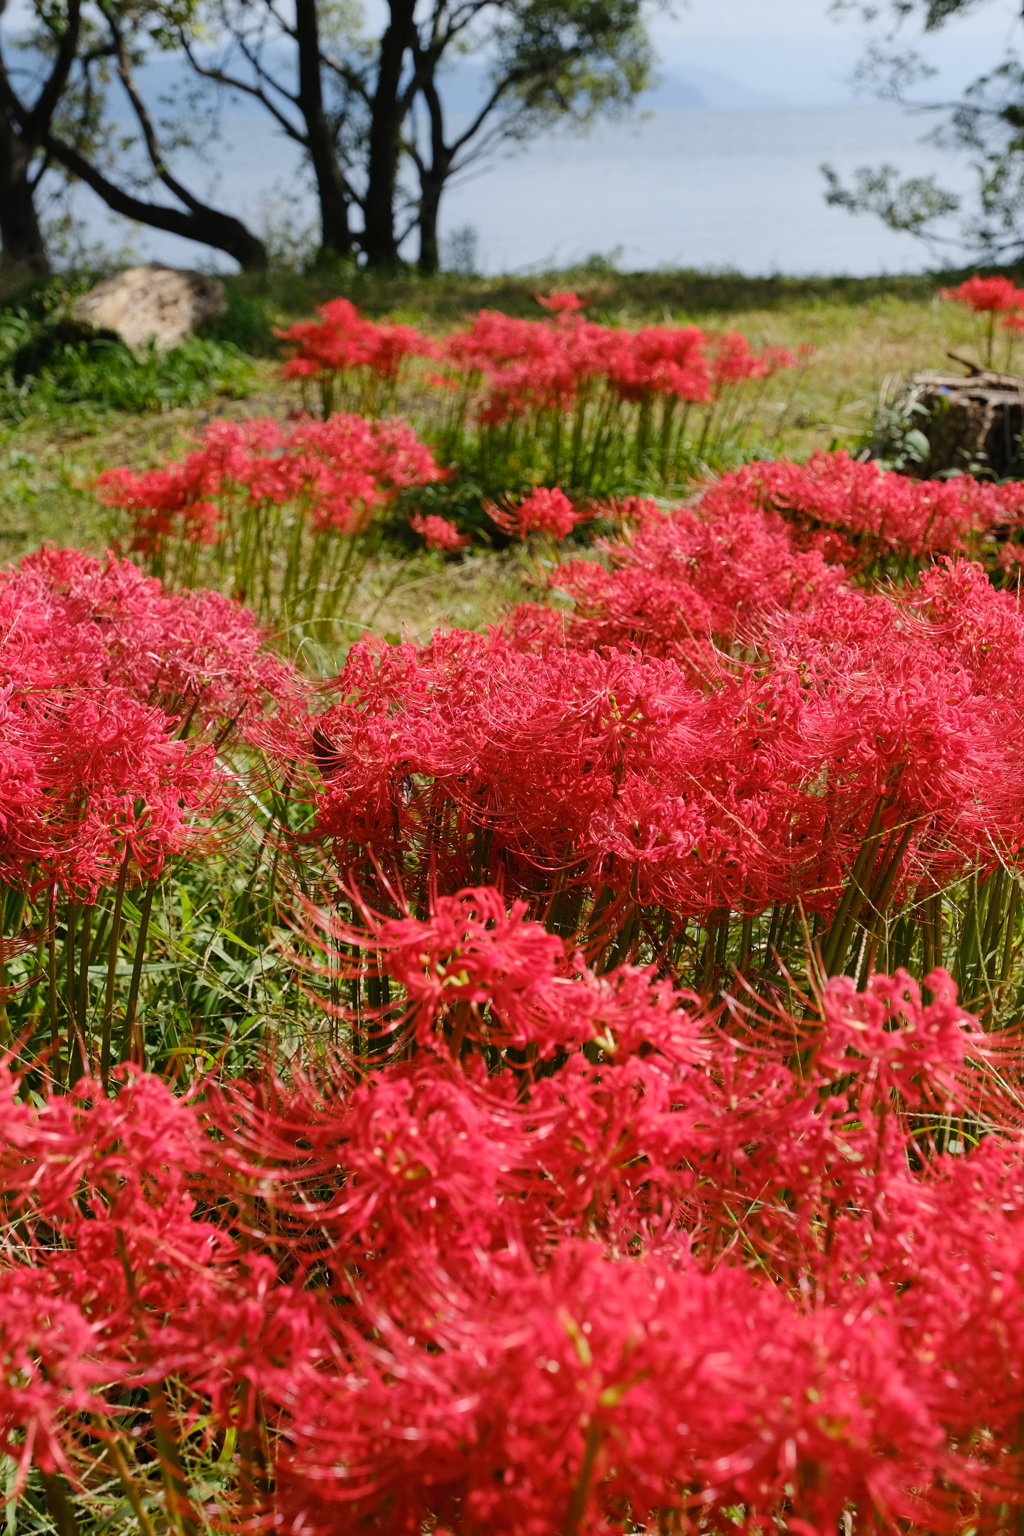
[(165, 303)]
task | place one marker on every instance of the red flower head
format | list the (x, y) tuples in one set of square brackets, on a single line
[(986, 295), (343, 338), (438, 532), (470, 952), (562, 303), (543, 511), (897, 1045), (473, 970)]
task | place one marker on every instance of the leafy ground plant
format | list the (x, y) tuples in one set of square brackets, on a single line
[(57, 369), (79, 377)]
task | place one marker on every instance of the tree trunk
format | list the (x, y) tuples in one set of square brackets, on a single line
[(388, 113), (22, 247), (332, 188), (433, 176), (429, 260)]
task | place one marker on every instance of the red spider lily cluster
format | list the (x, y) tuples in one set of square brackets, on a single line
[(634, 1143), (682, 582), (118, 694), (532, 365), (339, 471), (119, 704), (876, 514), (559, 399), (643, 1189), (847, 755), (281, 504), (662, 1269)]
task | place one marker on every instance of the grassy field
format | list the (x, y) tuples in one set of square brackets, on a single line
[(862, 332)]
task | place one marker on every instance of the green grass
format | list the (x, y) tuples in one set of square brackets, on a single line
[(642, 296)]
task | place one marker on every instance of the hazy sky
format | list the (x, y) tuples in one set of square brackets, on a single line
[(799, 50), (795, 49)]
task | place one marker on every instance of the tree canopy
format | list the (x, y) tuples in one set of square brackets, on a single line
[(986, 122), (368, 108)]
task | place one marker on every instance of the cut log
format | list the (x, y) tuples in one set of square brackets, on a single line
[(972, 424)]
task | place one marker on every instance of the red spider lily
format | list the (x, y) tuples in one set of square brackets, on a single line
[(53, 1373), (469, 952), (901, 1048), (645, 1186), (566, 303), (989, 296), (355, 466), (187, 490), (343, 338), (119, 789), (568, 399), (473, 972), (986, 294), (542, 511), (532, 365), (438, 532)]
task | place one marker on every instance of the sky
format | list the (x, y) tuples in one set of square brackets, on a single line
[(799, 50), (794, 51)]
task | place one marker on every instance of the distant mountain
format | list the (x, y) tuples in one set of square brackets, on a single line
[(673, 91), (686, 85), (464, 83)]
